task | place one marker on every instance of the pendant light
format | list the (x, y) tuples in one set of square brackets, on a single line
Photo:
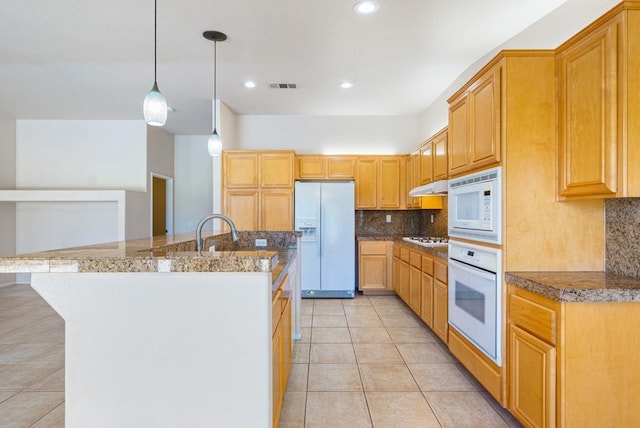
[(155, 106), (214, 144)]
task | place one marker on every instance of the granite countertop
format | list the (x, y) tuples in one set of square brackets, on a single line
[(578, 286), (172, 253)]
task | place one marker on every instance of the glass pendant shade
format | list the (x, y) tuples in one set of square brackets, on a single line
[(155, 107), (214, 144)]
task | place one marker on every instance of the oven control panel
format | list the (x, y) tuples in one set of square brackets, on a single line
[(475, 255)]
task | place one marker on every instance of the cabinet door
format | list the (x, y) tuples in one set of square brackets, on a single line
[(240, 170), (389, 183), (287, 347), (276, 210), (484, 110), (439, 153), (426, 302), (396, 275), (366, 184), (404, 281), (276, 170), (341, 167), (276, 355), (415, 289), (532, 379), (440, 310), (312, 167), (410, 200), (426, 163), (242, 208), (587, 123), (373, 272), (458, 135)]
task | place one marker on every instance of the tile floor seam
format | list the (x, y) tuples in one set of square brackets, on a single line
[(432, 408)]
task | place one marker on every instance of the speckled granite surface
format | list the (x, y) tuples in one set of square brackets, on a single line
[(623, 236), (403, 222), (578, 286), (175, 253)]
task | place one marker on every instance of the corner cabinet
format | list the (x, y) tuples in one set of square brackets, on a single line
[(475, 123), (258, 189), (598, 107)]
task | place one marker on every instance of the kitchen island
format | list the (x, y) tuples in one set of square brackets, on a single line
[(159, 335)]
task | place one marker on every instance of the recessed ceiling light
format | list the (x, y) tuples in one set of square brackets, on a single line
[(346, 85), (249, 84), (366, 7)]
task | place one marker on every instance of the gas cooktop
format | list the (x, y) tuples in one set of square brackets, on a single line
[(427, 241)]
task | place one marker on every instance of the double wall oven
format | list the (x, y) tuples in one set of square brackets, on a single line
[(475, 270)]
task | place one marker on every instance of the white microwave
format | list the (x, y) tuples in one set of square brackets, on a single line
[(475, 206)]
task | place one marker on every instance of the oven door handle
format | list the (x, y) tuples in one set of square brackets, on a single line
[(471, 270)]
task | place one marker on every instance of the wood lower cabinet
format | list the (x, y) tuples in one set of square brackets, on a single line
[(440, 300), (571, 364), (420, 280), (281, 344), (374, 266)]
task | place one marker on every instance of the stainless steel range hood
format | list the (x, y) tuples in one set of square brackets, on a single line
[(431, 189)]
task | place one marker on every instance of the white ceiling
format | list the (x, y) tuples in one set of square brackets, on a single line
[(93, 59)]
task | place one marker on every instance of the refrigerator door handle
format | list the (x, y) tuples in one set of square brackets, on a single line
[(319, 232)]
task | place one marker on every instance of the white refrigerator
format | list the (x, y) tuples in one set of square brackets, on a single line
[(325, 214)]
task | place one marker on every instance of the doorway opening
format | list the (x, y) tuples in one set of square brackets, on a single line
[(161, 205)]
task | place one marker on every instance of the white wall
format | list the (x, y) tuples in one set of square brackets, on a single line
[(160, 161), (330, 134), (7, 181), (548, 33), (81, 154), (193, 172)]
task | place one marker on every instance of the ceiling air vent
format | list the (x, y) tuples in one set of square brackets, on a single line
[(283, 85)]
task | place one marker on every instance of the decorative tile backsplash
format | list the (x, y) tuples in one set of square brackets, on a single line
[(622, 252), (403, 223)]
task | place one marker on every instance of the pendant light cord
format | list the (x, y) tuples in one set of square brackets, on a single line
[(155, 40), (215, 103)]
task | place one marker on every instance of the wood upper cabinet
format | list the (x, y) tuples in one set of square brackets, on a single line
[(276, 207), (439, 155), (475, 123), (276, 170), (374, 265), (240, 170), (326, 167), (598, 107), (390, 183), (258, 189), (380, 182), (426, 163)]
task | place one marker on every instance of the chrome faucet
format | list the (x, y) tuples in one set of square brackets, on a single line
[(234, 231)]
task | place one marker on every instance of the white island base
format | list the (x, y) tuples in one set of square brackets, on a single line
[(164, 349)]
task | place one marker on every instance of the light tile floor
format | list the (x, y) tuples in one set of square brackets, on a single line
[(363, 362), (370, 362)]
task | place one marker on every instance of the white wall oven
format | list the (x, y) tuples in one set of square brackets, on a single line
[(475, 299), (475, 206)]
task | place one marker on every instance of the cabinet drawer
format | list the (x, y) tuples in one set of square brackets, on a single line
[(427, 265), (404, 254), (534, 317), (415, 259), (373, 247), (440, 272)]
